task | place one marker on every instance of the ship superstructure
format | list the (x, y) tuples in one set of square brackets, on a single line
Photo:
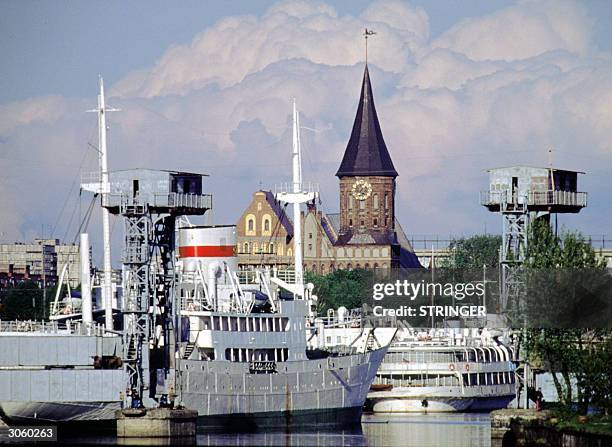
[(432, 370)]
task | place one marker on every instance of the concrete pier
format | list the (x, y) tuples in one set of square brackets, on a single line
[(156, 423)]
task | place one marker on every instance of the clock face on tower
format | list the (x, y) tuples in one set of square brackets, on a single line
[(361, 189)]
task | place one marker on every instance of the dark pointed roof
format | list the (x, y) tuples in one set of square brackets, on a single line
[(366, 152)]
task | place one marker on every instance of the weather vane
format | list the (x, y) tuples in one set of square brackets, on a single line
[(367, 33)]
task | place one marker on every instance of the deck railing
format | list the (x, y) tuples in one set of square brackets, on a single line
[(534, 198), (52, 327)]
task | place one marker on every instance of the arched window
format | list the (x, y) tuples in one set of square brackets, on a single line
[(250, 228), (362, 204), (255, 247), (271, 248), (386, 201), (375, 222), (289, 252), (350, 202), (246, 247), (266, 224), (350, 222), (349, 266), (375, 201)]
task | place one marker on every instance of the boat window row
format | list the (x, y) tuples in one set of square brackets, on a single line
[(494, 378), (436, 380), (419, 380), (257, 355), (245, 324), (484, 355)]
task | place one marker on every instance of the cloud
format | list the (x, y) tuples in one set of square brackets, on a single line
[(492, 90), (238, 46), (521, 31)]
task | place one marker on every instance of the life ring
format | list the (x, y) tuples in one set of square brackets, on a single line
[(451, 367), (467, 366), (68, 310)]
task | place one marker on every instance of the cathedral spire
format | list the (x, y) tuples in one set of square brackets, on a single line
[(366, 153)]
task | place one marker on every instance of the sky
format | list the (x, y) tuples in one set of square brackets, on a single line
[(459, 86)]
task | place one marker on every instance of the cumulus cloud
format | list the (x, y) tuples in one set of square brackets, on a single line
[(527, 29), (238, 46), (492, 90)]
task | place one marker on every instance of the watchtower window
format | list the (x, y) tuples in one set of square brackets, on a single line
[(135, 188)]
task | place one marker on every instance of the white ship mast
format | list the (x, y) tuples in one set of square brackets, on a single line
[(102, 187), (297, 195)]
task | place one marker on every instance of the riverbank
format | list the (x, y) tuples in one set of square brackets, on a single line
[(517, 427)]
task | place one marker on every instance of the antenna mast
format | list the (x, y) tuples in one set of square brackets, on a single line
[(102, 187), (297, 195)]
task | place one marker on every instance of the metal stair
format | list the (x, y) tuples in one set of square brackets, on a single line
[(188, 350)]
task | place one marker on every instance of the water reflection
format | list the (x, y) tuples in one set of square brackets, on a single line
[(425, 430), (331, 439), (384, 430)]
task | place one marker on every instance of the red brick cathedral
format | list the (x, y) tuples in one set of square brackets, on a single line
[(366, 233)]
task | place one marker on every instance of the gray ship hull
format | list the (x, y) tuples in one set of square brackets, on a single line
[(319, 419), (56, 413), (325, 392)]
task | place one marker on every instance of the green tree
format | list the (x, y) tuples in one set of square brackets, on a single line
[(25, 301), (474, 252), (573, 356), (348, 288)]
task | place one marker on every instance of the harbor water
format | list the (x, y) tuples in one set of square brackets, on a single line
[(401, 430)]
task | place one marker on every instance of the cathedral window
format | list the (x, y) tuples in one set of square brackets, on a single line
[(375, 201), (375, 222), (386, 201), (266, 224), (350, 222), (362, 204), (350, 202)]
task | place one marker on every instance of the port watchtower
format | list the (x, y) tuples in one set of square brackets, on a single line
[(521, 194), (150, 201)]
